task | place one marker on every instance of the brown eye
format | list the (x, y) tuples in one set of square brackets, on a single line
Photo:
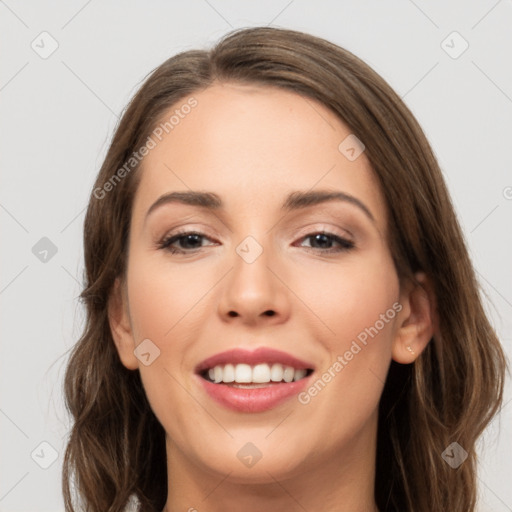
[(323, 241), (188, 241)]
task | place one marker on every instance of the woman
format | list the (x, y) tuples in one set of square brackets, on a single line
[(281, 311)]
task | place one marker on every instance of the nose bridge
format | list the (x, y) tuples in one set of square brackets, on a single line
[(250, 274), (252, 289), (255, 238)]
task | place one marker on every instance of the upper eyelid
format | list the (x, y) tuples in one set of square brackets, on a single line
[(307, 232), (317, 227)]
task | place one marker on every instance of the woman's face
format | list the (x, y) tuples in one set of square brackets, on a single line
[(259, 273)]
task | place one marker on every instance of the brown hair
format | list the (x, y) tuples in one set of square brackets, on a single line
[(116, 448)]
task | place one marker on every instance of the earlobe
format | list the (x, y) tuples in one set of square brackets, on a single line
[(416, 323), (120, 326)]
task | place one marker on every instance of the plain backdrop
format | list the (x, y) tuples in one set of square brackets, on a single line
[(68, 68)]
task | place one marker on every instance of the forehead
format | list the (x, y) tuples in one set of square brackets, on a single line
[(253, 145)]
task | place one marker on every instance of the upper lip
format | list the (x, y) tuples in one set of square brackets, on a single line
[(253, 357)]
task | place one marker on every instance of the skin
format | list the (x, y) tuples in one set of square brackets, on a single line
[(252, 146)]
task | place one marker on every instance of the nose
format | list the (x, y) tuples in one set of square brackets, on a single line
[(254, 291)]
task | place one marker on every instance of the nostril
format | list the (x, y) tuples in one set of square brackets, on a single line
[(270, 313)]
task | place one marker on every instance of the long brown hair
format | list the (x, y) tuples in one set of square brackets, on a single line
[(116, 448)]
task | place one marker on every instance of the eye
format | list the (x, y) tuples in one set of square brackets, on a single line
[(190, 241), (323, 239)]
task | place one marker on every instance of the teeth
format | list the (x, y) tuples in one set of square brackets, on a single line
[(288, 374), (276, 373), (259, 374), (228, 374), (299, 374), (243, 373)]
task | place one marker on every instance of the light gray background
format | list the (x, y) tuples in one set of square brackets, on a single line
[(58, 114)]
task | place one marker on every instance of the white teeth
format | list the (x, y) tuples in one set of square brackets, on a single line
[(261, 373), (243, 372), (276, 373), (258, 374), (228, 374), (288, 374)]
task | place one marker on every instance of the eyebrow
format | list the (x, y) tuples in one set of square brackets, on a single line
[(294, 201)]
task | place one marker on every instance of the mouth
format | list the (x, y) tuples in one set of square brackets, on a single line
[(245, 376), (254, 381)]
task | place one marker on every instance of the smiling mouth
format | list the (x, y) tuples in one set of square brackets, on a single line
[(245, 376)]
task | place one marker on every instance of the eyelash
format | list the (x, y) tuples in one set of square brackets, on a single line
[(165, 244)]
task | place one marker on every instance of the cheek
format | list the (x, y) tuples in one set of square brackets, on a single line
[(159, 302), (167, 305), (354, 300), (360, 307), (162, 299), (367, 311), (364, 307)]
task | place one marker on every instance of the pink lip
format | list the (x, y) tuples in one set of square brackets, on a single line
[(256, 399), (260, 355), (253, 400)]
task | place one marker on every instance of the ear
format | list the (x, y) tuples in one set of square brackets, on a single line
[(120, 325), (416, 322)]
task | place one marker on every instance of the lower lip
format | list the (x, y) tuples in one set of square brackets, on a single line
[(256, 399)]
